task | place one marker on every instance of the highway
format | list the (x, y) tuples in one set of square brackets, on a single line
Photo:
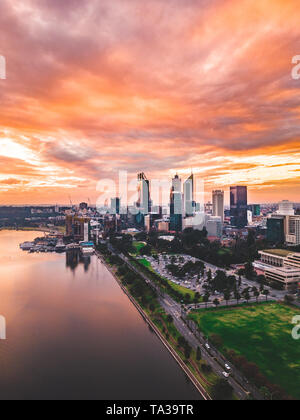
[(240, 385)]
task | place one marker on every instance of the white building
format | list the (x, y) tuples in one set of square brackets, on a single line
[(286, 208), (280, 266), (292, 230), (214, 227)]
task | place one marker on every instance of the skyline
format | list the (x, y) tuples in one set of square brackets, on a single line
[(157, 87)]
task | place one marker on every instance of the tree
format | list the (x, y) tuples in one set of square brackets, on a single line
[(238, 297), (206, 299), (289, 299), (222, 391), (169, 319), (247, 296), (216, 302), (249, 271), (199, 354), (187, 351), (227, 296), (152, 307), (266, 293), (256, 294)]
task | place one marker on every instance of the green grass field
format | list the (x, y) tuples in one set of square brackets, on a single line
[(262, 333), (138, 245)]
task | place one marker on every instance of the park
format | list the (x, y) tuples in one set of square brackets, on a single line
[(261, 334)]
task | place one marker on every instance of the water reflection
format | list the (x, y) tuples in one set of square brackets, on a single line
[(74, 257), (73, 334)]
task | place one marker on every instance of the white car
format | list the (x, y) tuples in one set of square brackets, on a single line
[(225, 374), (207, 346), (227, 367)]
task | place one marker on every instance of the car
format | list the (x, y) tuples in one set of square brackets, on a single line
[(225, 374), (207, 346), (227, 366)]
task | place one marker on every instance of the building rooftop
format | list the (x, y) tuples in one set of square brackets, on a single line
[(277, 252)]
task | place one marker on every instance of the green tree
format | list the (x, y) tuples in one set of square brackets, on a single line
[(216, 302), (227, 296), (266, 293), (222, 391), (206, 298)]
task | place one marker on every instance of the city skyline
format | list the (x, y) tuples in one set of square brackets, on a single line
[(210, 89)]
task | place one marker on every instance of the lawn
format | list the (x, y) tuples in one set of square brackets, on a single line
[(262, 333), (138, 245)]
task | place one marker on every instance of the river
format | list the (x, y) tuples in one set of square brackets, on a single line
[(73, 334)]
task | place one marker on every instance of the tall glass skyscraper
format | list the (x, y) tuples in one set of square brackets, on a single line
[(176, 205), (143, 202), (238, 206)]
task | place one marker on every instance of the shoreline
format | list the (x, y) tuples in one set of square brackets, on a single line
[(204, 394)]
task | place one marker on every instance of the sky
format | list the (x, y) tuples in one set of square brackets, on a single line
[(94, 87)]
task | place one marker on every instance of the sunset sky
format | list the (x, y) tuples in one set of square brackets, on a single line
[(160, 86)]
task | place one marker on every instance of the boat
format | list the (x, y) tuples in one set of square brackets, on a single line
[(60, 246), (27, 246)]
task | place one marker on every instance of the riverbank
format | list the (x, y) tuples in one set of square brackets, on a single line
[(202, 391)]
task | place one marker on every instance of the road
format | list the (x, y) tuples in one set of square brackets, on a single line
[(240, 385)]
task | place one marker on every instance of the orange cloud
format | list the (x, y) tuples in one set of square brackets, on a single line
[(96, 87)]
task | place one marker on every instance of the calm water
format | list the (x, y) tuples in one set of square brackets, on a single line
[(73, 334)]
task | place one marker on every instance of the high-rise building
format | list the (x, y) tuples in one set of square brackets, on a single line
[(275, 229), (115, 205), (255, 208), (292, 230), (188, 193), (143, 202), (77, 227), (286, 208), (218, 204), (176, 205), (238, 206)]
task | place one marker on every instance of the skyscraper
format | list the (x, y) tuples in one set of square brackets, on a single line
[(188, 192), (115, 205), (218, 204), (238, 206), (143, 202), (176, 205)]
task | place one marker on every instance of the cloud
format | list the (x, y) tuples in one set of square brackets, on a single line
[(93, 87)]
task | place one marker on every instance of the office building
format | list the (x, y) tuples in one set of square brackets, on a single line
[(115, 205), (188, 193), (280, 266), (143, 203), (238, 206), (214, 227), (218, 204), (176, 205), (275, 229), (292, 227), (255, 208), (78, 227), (286, 208)]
